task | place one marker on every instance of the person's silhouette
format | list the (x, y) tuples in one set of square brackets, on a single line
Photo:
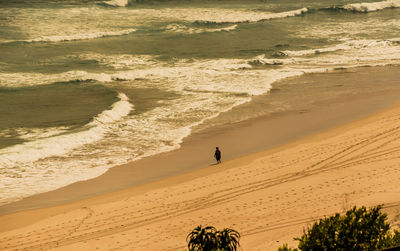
[(217, 155)]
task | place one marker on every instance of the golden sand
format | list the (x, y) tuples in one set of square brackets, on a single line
[(269, 197)]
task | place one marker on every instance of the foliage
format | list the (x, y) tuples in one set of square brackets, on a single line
[(357, 229), (228, 239), (209, 239), (392, 239), (286, 248)]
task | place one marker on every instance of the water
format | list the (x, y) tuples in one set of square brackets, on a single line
[(87, 85)]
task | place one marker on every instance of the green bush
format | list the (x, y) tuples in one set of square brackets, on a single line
[(286, 248), (358, 229), (209, 239)]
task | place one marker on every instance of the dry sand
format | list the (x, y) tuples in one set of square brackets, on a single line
[(269, 196)]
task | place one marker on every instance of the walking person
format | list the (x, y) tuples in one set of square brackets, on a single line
[(217, 155)]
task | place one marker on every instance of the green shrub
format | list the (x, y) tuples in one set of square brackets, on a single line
[(286, 248), (358, 229)]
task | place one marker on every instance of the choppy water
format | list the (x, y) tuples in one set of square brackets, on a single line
[(87, 85)]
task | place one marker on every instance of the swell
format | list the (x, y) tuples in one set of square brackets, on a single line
[(206, 16)]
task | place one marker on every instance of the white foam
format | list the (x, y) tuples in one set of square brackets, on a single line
[(56, 25), (62, 144), (119, 62), (70, 24), (374, 6), (347, 45), (72, 37), (347, 29), (207, 74), (180, 28), (119, 110), (237, 16), (117, 3)]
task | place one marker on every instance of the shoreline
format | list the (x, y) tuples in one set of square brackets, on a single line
[(235, 140), (268, 234), (269, 195)]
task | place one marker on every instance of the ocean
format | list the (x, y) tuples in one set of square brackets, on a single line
[(87, 85)]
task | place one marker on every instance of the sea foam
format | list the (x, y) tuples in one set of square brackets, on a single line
[(116, 3), (348, 45), (60, 38), (237, 16), (58, 25), (374, 6), (179, 28)]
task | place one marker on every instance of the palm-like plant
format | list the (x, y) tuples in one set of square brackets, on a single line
[(209, 239), (202, 239), (228, 239)]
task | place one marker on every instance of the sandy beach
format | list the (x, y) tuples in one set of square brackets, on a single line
[(279, 175), (111, 112)]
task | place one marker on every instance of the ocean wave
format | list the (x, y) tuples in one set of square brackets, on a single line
[(179, 28), (348, 45), (62, 144), (118, 110), (262, 61), (374, 6), (22, 79), (133, 67), (79, 36), (116, 3), (236, 16), (130, 68), (333, 31)]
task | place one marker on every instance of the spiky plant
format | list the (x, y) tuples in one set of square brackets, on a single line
[(202, 239), (228, 239)]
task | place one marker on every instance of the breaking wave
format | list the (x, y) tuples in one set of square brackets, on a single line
[(80, 36), (348, 45), (64, 143), (370, 7), (233, 16), (179, 28), (116, 3)]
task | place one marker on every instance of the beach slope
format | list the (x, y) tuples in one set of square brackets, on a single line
[(269, 197)]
